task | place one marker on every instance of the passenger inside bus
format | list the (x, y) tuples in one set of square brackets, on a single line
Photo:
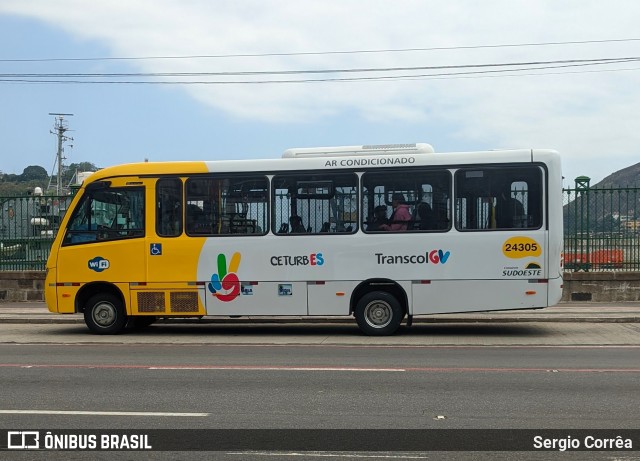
[(399, 220), (197, 222), (296, 225), (170, 216), (440, 213), (425, 217), (379, 218), (509, 212)]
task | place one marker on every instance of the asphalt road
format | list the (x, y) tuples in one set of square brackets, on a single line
[(170, 384), (440, 334)]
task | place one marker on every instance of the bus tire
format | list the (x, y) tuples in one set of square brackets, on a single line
[(104, 314), (379, 313)]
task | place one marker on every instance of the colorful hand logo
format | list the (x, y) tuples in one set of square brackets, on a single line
[(226, 280)]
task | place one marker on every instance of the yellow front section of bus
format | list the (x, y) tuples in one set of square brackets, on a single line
[(115, 262), (150, 281)]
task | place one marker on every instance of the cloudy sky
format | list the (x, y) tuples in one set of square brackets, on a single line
[(259, 76)]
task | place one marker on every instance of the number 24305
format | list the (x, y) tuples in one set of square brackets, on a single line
[(521, 247)]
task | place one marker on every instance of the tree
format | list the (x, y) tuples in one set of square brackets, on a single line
[(36, 176), (33, 173), (70, 171)]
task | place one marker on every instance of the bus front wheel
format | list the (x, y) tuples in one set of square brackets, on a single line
[(379, 313), (104, 314)]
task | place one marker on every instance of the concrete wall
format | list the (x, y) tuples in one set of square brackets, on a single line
[(601, 286), (578, 286), (21, 286)]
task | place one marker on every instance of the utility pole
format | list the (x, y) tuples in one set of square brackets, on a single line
[(60, 128)]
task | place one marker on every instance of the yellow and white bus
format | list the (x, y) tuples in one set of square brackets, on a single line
[(381, 233)]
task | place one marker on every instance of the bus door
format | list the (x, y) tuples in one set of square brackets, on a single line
[(104, 239), (171, 256)]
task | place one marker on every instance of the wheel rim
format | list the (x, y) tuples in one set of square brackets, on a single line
[(104, 314), (378, 314)]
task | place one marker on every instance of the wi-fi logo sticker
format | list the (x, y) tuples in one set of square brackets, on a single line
[(98, 264)]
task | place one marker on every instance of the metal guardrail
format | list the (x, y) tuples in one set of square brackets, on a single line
[(601, 228)]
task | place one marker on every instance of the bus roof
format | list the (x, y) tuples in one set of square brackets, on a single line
[(324, 159)]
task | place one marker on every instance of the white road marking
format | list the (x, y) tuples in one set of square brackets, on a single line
[(267, 368), (100, 413), (325, 369), (327, 455)]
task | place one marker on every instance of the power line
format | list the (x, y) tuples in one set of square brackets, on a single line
[(556, 63), (320, 53), (443, 75)]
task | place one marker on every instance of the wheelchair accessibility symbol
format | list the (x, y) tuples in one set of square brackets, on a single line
[(155, 249)]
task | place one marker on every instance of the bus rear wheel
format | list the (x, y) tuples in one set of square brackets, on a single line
[(379, 313), (104, 314)]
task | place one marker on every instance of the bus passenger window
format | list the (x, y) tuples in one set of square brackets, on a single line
[(169, 207), (306, 204), (499, 198), (227, 205), (406, 201)]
